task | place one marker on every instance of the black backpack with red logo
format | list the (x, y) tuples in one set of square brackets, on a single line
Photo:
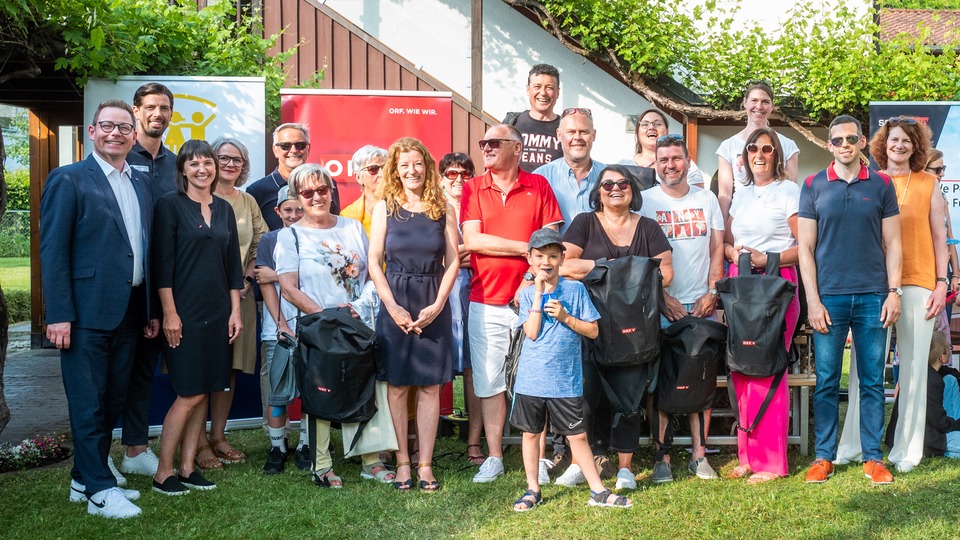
[(626, 292), (755, 306)]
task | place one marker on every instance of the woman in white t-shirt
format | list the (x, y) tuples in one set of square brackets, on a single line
[(731, 166), (763, 219), (322, 263)]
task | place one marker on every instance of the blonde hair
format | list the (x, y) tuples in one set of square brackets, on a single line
[(391, 191)]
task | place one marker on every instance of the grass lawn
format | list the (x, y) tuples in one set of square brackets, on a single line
[(15, 273), (248, 504)]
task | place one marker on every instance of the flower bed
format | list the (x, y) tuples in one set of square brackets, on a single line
[(36, 452)]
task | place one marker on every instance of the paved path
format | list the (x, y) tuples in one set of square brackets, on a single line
[(34, 389)]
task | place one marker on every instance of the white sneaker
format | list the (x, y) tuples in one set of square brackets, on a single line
[(145, 463), (112, 504), (121, 481), (904, 466), (573, 476), (626, 479), (77, 492), (543, 473), (491, 468)]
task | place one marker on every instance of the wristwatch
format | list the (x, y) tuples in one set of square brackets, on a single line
[(528, 276), (897, 290), (713, 292), (248, 279), (944, 280)]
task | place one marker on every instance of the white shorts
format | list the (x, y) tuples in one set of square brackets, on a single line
[(489, 333)]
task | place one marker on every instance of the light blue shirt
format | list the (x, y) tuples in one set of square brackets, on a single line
[(572, 196), (121, 183)]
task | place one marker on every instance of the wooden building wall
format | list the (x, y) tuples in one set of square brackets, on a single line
[(353, 60)]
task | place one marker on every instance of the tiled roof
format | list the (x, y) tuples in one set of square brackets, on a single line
[(944, 24)]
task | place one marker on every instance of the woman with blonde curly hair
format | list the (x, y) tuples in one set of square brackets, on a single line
[(414, 231)]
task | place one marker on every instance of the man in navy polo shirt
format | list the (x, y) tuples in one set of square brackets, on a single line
[(850, 261)]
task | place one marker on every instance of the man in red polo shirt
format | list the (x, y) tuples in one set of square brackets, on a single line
[(499, 212)]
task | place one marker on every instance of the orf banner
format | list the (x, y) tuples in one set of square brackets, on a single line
[(943, 118), (342, 121), (203, 108)]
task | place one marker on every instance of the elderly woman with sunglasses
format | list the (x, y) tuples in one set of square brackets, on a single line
[(900, 149), (322, 263), (732, 171), (763, 219), (367, 165), (613, 229), (651, 125)]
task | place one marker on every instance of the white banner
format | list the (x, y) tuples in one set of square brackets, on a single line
[(203, 108)]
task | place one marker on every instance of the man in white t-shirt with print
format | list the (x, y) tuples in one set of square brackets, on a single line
[(691, 219)]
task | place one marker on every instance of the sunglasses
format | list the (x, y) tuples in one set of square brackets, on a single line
[(851, 139), (575, 110), (902, 120), (669, 138), (452, 174), (309, 193), (623, 185), (493, 143), (108, 127), (937, 170), (373, 169), (286, 146), (766, 149), (229, 160)]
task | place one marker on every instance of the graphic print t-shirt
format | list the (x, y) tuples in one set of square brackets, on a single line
[(686, 222), (540, 142)]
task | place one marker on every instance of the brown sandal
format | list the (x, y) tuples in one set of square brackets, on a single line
[(229, 456), (207, 463), (475, 459)]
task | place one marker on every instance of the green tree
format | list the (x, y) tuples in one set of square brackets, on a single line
[(111, 38)]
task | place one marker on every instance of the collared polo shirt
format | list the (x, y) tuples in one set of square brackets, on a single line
[(161, 170), (572, 196), (849, 251), (529, 205)]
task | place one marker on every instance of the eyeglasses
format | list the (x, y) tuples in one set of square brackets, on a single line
[(108, 127), (309, 193), (669, 138), (654, 125), (575, 110), (286, 146), (851, 139), (902, 120), (373, 169), (622, 184), (452, 174), (230, 160), (937, 170), (766, 149), (493, 143)]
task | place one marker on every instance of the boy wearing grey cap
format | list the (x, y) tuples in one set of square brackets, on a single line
[(554, 314)]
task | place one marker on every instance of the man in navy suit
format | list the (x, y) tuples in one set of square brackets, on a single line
[(95, 220)]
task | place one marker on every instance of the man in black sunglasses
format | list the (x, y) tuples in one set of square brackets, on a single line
[(291, 147), (539, 123)]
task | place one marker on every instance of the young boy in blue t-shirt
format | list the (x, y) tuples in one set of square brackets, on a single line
[(554, 313)]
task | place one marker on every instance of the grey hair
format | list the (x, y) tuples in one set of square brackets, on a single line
[(245, 169), (308, 171), (366, 154), (291, 125)]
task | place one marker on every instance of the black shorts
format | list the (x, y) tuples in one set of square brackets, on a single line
[(529, 414)]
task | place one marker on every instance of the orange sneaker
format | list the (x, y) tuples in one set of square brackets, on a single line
[(819, 471), (876, 471)]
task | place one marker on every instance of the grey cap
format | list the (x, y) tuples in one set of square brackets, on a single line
[(545, 237), (285, 195)]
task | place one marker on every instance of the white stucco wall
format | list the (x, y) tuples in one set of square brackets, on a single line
[(435, 36)]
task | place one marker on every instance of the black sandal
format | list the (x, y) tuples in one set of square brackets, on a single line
[(431, 486), (603, 499), (406, 485), (528, 504)]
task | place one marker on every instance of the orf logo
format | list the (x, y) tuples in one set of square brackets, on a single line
[(627, 330), (748, 343), (190, 119)]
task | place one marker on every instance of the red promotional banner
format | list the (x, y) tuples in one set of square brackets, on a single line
[(342, 121)]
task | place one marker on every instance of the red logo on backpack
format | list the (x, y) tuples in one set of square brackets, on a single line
[(748, 343), (628, 330)]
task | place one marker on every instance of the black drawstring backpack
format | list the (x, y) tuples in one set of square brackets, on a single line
[(626, 292), (755, 306)]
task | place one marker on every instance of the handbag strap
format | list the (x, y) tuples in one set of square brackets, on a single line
[(763, 406), (772, 269)]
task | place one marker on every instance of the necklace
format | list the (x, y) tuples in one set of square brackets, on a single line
[(609, 228), (902, 198)]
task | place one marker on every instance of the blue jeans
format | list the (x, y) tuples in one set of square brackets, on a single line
[(861, 314)]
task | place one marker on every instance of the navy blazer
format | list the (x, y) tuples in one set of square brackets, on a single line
[(86, 260)]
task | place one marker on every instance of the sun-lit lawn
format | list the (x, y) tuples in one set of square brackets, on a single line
[(15, 273)]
